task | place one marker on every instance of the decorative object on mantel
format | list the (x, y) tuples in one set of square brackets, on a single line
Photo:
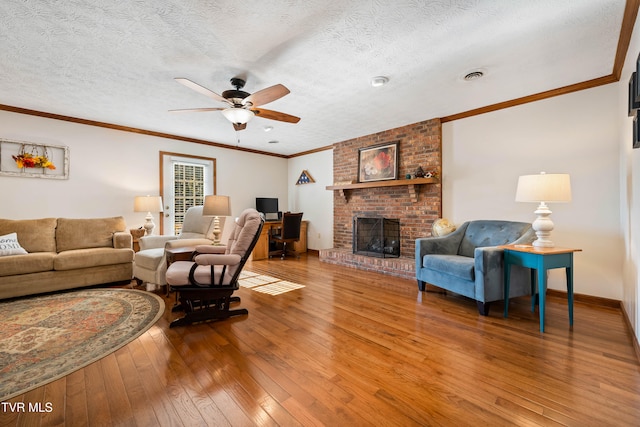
[(378, 163), (305, 178), (26, 159), (420, 173)]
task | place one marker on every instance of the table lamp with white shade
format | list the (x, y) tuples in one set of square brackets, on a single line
[(543, 188), (148, 204), (216, 206)]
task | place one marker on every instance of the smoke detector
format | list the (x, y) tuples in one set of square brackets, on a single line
[(379, 81)]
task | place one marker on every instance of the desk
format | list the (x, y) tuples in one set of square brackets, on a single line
[(261, 251), (541, 260)]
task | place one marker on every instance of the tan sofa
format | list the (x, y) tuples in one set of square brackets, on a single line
[(65, 253)]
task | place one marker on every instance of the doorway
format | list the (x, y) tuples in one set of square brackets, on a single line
[(184, 181)]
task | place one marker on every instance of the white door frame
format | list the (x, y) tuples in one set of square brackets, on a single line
[(167, 160)]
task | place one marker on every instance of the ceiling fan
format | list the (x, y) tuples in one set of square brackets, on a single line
[(242, 106)]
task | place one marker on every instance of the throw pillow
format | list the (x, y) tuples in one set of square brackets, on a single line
[(9, 245)]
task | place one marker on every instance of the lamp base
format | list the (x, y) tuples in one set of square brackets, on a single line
[(543, 227), (149, 225), (216, 230)]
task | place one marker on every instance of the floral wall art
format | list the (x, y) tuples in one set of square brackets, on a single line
[(30, 160), (378, 163)]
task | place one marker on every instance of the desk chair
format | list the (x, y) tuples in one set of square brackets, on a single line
[(288, 234)]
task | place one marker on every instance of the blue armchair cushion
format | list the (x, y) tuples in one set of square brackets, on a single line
[(462, 267)]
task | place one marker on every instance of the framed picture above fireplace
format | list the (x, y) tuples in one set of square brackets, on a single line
[(378, 162)]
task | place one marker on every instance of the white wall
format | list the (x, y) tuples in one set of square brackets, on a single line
[(314, 199), (576, 134), (630, 190), (108, 168)]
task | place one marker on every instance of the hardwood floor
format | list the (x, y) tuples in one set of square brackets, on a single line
[(357, 348)]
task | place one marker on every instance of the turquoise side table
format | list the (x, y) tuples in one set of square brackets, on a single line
[(540, 260)]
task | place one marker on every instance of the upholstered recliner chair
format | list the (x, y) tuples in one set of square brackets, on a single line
[(205, 285), (150, 263), (467, 261)]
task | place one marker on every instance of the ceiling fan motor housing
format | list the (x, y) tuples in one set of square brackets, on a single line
[(236, 96)]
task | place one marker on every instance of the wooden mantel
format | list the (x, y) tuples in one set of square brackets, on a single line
[(411, 184)]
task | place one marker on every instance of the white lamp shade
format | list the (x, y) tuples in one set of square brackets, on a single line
[(552, 187), (147, 204), (217, 206), (238, 116)]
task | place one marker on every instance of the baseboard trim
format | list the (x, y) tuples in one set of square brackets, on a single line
[(604, 302), (587, 299), (634, 339)]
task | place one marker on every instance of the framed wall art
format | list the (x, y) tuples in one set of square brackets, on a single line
[(305, 178), (636, 132), (634, 104), (31, 160), (378, 163), (637, 87)]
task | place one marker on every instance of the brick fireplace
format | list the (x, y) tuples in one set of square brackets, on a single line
[(415, 206)]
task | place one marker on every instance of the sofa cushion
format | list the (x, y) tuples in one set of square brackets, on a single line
[(9, 245), (87, 233), (25, 264), (455, 265), (483, 233), (92, 257), (34, 235)]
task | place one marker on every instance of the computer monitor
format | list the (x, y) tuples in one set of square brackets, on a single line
[(269, 207)]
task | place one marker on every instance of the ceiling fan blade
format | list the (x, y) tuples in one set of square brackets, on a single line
[(267, 95), (201, 89), (195, 110), (275, 115), (239, 126)]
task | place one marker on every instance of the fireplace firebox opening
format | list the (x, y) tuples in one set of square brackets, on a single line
[(376, 236)]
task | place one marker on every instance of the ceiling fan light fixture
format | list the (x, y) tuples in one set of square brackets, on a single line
[(379, 81), (239, 116)]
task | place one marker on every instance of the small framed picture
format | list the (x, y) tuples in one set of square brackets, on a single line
[(633, 88), (636, 132), (637, 88), (378, 163)]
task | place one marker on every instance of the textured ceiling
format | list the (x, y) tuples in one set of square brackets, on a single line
[(115, 61)]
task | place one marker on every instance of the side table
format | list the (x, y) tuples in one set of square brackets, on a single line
[(184, 253), (541, 260)]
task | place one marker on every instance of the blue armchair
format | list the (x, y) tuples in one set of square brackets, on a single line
[(467, 261)]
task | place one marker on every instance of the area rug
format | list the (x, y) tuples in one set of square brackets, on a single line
[(266, 284), (44, 338)]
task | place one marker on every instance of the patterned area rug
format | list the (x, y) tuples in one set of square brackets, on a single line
[(44, 338), (266, 284)]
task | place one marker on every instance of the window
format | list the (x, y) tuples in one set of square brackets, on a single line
[(185, 180)]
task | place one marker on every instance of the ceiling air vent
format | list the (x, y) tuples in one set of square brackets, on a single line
[(473, 75)]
